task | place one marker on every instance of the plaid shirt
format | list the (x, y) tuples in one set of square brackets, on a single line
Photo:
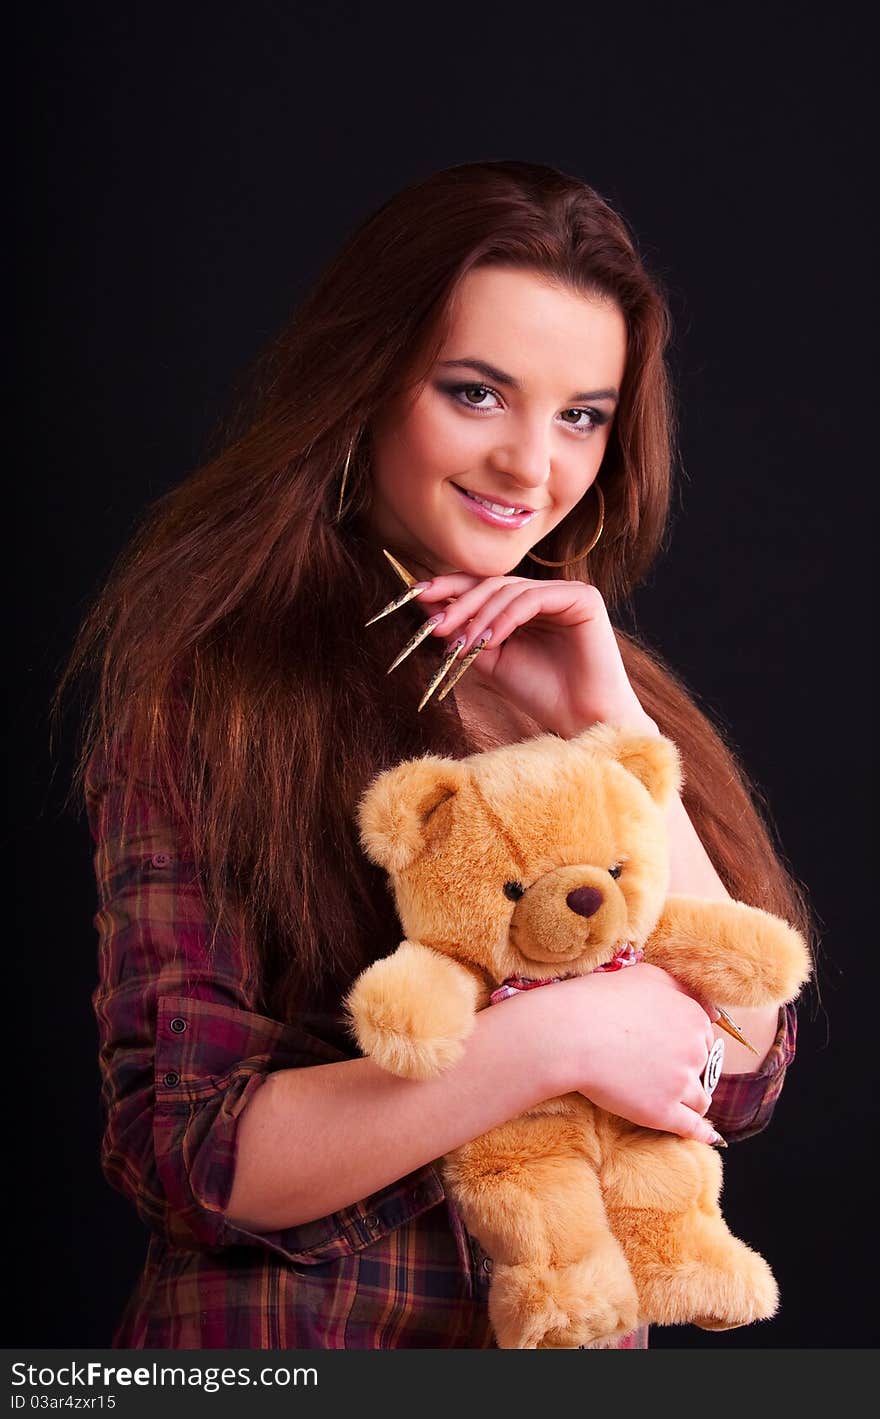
[(181, 1051)]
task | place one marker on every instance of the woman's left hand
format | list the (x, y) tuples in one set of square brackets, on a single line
[(563, 667)]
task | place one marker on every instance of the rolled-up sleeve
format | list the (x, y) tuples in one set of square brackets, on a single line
[(181, 1048), (743, 1104)]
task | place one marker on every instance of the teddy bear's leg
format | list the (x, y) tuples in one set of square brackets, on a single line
[(662, 1194), (528, 1191)]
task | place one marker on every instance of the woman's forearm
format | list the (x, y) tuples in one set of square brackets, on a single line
[(311, 1141)]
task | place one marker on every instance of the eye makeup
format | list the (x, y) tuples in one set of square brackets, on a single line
[(456, 392)]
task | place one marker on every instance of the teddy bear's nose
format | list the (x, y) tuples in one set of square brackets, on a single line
[(584, 900)]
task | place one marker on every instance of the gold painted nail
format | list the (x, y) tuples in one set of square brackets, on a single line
[(398, 601), (415, 640), (725, 1023), (406, 577), (468, 660), (435, 679)]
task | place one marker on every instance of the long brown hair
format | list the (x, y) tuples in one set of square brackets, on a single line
[(227, 651)]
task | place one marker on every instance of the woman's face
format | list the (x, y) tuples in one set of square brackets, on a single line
[(527, 429)]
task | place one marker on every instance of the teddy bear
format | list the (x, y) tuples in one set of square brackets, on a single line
[(549, 858)]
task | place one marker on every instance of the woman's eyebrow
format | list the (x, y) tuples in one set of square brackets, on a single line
[(501, 378)]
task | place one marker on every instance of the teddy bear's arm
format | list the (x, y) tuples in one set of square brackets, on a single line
[(412, 1010), (728, 951)]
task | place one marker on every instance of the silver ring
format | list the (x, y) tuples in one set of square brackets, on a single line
[(712, 1072)]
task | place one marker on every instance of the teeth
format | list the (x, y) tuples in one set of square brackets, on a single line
[(496, 507)]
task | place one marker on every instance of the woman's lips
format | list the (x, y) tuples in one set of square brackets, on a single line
[(485, 514)]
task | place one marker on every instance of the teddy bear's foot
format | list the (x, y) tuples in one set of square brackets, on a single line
[(587, 1303), (755, 1296), (713, 1297)]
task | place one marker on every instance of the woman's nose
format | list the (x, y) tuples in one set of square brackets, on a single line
[(526, 459)]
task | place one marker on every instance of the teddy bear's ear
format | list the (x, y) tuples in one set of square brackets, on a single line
[(394, 811), (655, 762)]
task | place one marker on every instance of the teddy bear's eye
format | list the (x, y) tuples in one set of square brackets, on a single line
[(615, 871), (514, 890)]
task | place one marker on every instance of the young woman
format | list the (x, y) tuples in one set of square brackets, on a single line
[(476, 384)]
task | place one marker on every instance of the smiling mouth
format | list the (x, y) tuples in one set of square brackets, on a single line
[(487, 512), (494, 504)]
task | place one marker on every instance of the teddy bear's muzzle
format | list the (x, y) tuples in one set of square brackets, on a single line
[(576, 922)]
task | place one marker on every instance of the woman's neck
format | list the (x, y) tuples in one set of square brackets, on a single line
[(489, 717)]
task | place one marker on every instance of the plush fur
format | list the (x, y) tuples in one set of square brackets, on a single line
[(595, 1225)]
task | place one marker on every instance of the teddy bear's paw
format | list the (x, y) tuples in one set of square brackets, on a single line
[(714, 1297), (412, 1011), (588, 1303), (785, 965), (599, 1296), (749, 1296), (402, 1054), (769, 960)]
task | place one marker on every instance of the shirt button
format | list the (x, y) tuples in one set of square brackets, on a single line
[(487, 1263), (177, 1025), (372, 1221), (171, 1079), (160, 859)]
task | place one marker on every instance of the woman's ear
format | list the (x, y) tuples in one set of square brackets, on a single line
[(394, 812)]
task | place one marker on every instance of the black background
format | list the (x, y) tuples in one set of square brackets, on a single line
[(204, 161)]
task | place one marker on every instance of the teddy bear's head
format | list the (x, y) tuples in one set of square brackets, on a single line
[(535, 859)]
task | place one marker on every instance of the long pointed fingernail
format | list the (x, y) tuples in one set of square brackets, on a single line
[(455, 651), (468, 660), (405, 576), (400, 600), (415, 640), (725, 1023)]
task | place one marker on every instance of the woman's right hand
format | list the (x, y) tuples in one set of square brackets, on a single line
[(636, 1044)]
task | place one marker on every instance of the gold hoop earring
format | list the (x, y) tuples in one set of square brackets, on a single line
[(596, 535), (348, 457)]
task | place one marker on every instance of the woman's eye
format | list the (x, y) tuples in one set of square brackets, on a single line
[(514, 890), (615, 871), (590, 418), (596, 419), (462, 391)]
